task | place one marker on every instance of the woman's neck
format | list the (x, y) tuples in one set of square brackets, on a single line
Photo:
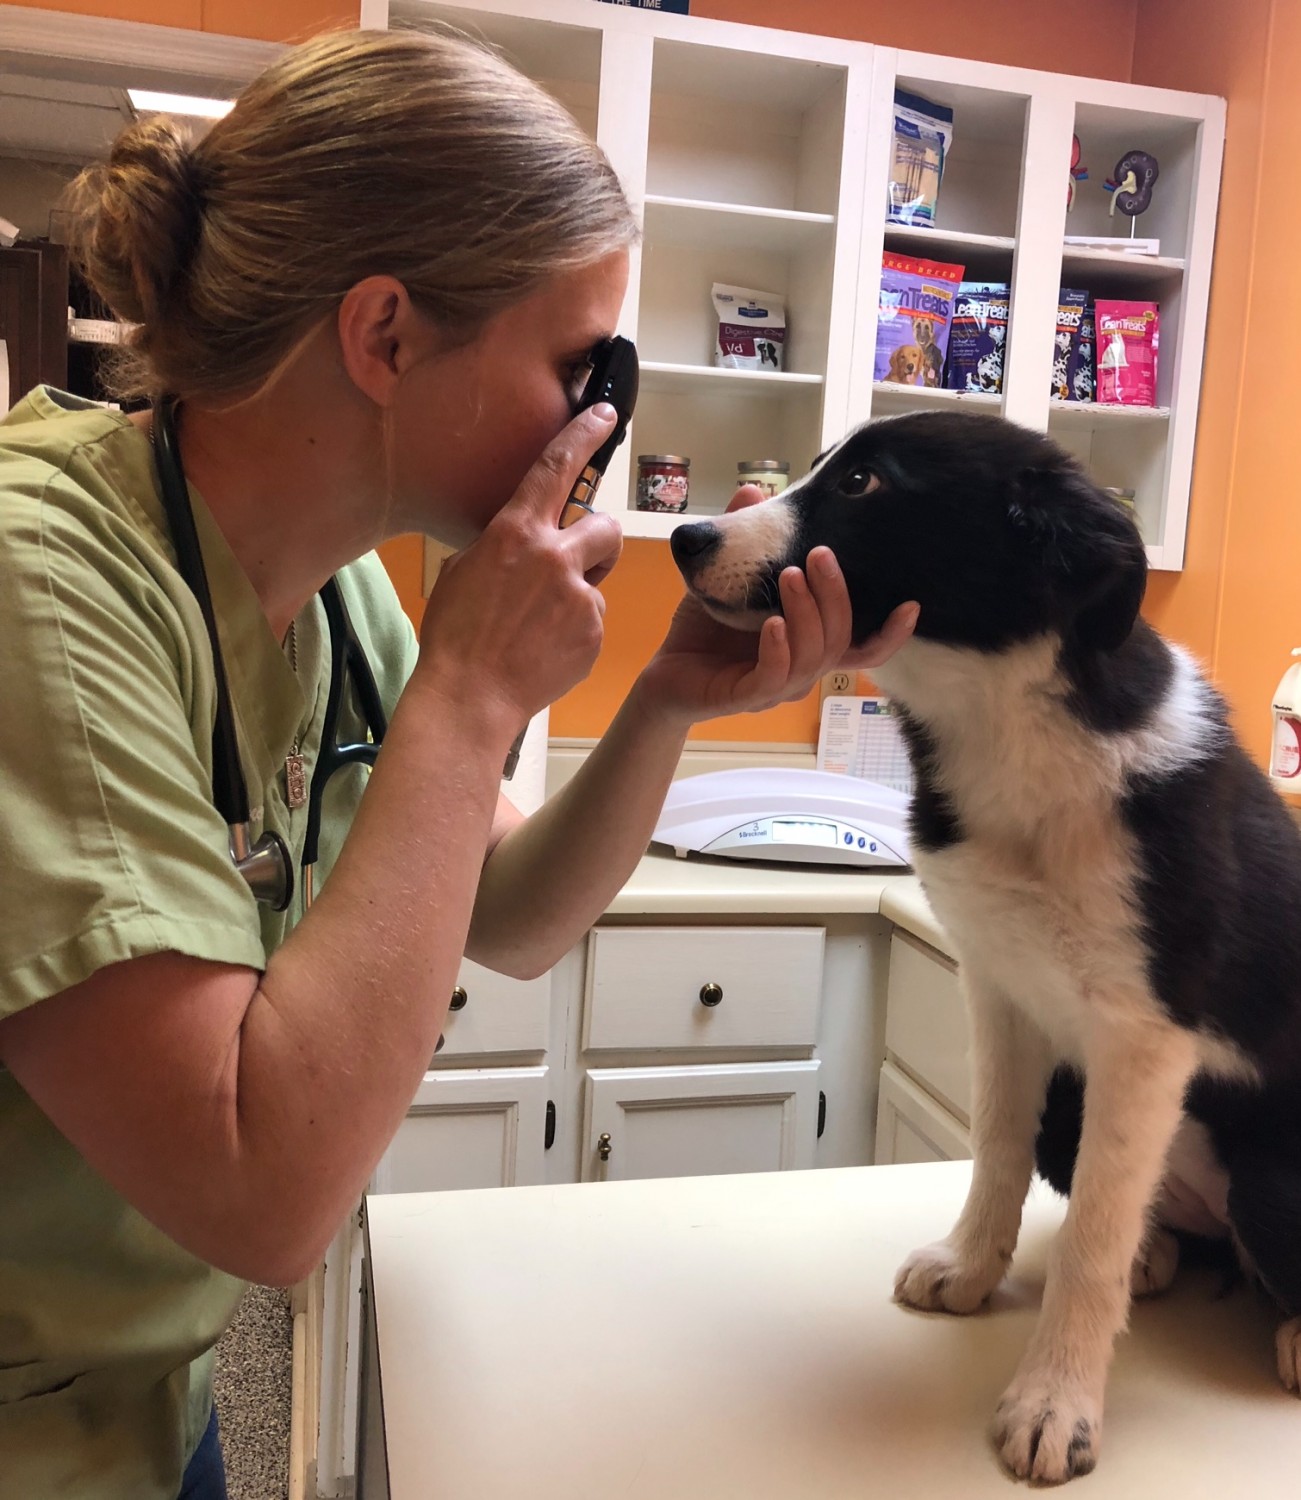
[(290, 477)]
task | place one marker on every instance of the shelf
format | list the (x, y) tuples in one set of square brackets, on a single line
[(1078, 262), (658, 375), (921, 397), (914, 237), (1099, 414), (697, 221)]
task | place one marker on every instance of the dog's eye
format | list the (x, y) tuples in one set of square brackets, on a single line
[(857, 483)]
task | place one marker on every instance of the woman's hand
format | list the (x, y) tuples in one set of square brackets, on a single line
[(705, 669), (516, 618)]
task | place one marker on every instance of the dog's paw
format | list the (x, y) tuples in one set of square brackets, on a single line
[(1287, 1345), (938, 1278), (1047, 1434), (1155, 1265)]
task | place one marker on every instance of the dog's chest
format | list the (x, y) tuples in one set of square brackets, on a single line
[(1045, 916)]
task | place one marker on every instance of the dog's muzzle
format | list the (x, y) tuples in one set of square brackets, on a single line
[(694, 544)]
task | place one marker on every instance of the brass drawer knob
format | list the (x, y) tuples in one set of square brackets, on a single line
[(459, 998), (604, 1145), (711, 994)]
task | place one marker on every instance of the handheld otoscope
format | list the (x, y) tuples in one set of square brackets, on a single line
[(615, 377)]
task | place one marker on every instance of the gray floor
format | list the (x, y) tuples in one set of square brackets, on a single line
[(253, 1384)]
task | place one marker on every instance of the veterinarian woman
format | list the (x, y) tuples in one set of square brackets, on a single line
[(371, 289)]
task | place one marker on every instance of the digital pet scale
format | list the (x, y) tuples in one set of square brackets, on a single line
[(788, 814)]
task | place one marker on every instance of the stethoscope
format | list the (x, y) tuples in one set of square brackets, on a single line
[(267, 866)]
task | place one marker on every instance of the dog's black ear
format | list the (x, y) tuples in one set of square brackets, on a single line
[(1094, 556)]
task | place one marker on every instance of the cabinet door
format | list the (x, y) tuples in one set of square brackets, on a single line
[(913, 1127), (476, 1128), (926, 1029), (698, 1121)]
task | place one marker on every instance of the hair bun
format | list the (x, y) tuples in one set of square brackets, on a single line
[(139, 218)]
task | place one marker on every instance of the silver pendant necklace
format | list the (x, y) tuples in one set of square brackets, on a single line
[(295, 769)]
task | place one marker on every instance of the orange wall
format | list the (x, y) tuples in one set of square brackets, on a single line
[(1238, 601), (264, 20)]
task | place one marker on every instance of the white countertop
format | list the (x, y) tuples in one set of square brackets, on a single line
[(717, 1337), (664, 885)]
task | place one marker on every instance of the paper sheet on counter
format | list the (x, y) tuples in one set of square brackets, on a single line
[(861, 737)]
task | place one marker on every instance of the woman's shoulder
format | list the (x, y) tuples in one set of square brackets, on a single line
[(88, 462)]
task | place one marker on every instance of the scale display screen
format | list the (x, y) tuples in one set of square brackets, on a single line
[(803, 831)]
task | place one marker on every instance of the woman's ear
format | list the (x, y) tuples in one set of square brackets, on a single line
[(381, 335), (1091, 549)]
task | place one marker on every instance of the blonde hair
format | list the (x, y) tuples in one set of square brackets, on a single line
[(417, 155)]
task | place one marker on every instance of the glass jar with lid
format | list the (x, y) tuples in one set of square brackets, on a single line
[(663, 482), (771, 475)]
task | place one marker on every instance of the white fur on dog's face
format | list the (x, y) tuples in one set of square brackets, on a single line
[(756, 542)]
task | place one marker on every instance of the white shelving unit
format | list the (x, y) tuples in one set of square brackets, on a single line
[(760, 157), (1002, 214)]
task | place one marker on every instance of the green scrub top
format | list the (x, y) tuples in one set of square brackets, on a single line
[(110, 847)]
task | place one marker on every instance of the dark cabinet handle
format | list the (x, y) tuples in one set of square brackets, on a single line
[(459, 998), (711, 994)]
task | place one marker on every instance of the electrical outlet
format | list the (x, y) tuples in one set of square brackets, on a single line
[(837, 684)]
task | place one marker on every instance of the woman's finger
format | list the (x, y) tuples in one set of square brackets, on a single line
[(746, 496), (880, 647), (804, 625), (827, 584), (762, 684)]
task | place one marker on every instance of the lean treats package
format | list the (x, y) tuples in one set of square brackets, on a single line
[(977, 337), (914, 318), (1081, 371), (1071, 304), (751, 329), (923, 133), (1128, 341)]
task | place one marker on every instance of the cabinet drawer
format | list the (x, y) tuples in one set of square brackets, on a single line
[(651, 987), (497, 1014), (926, 1022)]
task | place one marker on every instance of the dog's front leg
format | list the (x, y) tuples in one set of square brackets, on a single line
[(1049, 1423), (1010, 1068)]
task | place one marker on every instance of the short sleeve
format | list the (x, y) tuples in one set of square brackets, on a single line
[(110, 846)]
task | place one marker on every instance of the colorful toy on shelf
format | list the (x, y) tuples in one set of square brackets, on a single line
[(1131, 183), (1079, 173)]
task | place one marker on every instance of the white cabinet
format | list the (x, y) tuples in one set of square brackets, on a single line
[(924, 1100), (761, 157), (699, 1121), (664, 988), (480, 1127), (1001, 213), (912, 1127)]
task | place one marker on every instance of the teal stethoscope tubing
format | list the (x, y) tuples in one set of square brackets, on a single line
[(267, 865)]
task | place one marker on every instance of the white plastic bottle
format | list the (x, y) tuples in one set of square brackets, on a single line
[(1285, 746)]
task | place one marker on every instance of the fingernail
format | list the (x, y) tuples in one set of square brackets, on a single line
[(604, 412), (914, 614), (826, 564)]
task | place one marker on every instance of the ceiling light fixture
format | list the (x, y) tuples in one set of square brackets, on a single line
[(148, 100)]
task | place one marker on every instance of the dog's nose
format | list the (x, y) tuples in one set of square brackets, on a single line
[(694, 542)]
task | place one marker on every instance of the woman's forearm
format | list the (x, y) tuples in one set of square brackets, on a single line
[(549, 879), (360, 989)]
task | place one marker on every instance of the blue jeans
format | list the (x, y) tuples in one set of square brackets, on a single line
[(205, 1474)]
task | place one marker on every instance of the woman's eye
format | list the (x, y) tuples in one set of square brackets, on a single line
[(857, 483), (576, 377)]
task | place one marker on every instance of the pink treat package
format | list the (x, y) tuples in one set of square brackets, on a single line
[(1128, 334)]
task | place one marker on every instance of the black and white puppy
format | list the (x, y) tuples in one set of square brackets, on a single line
[(1121, 883)]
